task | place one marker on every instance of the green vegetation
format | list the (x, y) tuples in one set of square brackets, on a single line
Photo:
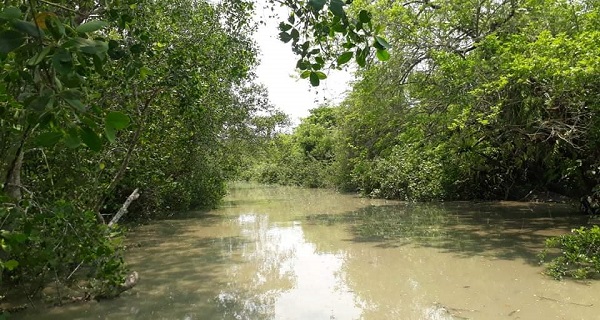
[(481, 99), (98, 99), (478, 100), (304, 158), (579, 254)]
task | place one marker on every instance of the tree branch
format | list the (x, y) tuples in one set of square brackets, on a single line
[(125, 163), (134, 195), (58, 6)]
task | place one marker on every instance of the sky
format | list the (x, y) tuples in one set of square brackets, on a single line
[(277, 72)]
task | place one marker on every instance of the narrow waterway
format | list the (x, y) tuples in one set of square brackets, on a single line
[(290, 253)]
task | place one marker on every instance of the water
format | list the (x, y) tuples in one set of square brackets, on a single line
[(288, 253)]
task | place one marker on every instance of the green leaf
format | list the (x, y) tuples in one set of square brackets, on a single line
[(98, 60), (383, 55), (72, 139), (62, 61), (110, 133), (337, 8), (361, 57), (39, 103), (92, 46), (56, 27), (35, 60), (48, 139), (15, 237), (10, 13), (28, 28), (72, 94), (145, 72), (91, 139), (344, 57), (353, 37), (321, 75), (285, 37), (45, 119), (314, 79), (284, 26), (302, 64), (117, 120), (73, 98), (77, 104), (338, 27), (91, 26), (364, 16), (382, 42), (305, 46), (305, 74), (136, 48), (359, 25), (11, 264), (317, 5), (295, 34), (10, 40), (115, 51)]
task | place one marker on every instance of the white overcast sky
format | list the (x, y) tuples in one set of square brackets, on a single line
[(277, 72)]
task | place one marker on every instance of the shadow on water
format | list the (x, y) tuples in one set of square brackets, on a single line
[(249, 202), (502, 230)]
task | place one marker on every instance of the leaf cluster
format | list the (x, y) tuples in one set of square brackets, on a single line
[(323, 34)]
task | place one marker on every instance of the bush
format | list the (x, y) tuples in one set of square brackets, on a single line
[(579, 254), (58, 242), (407, 174)]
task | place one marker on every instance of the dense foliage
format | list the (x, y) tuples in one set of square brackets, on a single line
[(304, 158), (579, 254), (98, 99), (330, 33), (485, 99)]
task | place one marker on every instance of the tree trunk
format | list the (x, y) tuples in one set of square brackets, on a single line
[(12, 183), (12, 186)]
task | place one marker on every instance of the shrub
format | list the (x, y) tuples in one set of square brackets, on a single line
[(409, 174), (579, 254), (56, 242)]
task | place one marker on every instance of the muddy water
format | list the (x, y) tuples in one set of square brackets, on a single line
[(286, 253)]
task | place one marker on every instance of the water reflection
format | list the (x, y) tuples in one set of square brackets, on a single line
[(288, 253), (506, 230), (295, 279)]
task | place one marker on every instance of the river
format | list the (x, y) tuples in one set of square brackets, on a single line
[(291, 253)]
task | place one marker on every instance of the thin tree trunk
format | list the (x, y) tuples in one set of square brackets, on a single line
[(12, 187), (12, 183)]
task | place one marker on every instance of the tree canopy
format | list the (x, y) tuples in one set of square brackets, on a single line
[(480, 99), (99, 99)]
